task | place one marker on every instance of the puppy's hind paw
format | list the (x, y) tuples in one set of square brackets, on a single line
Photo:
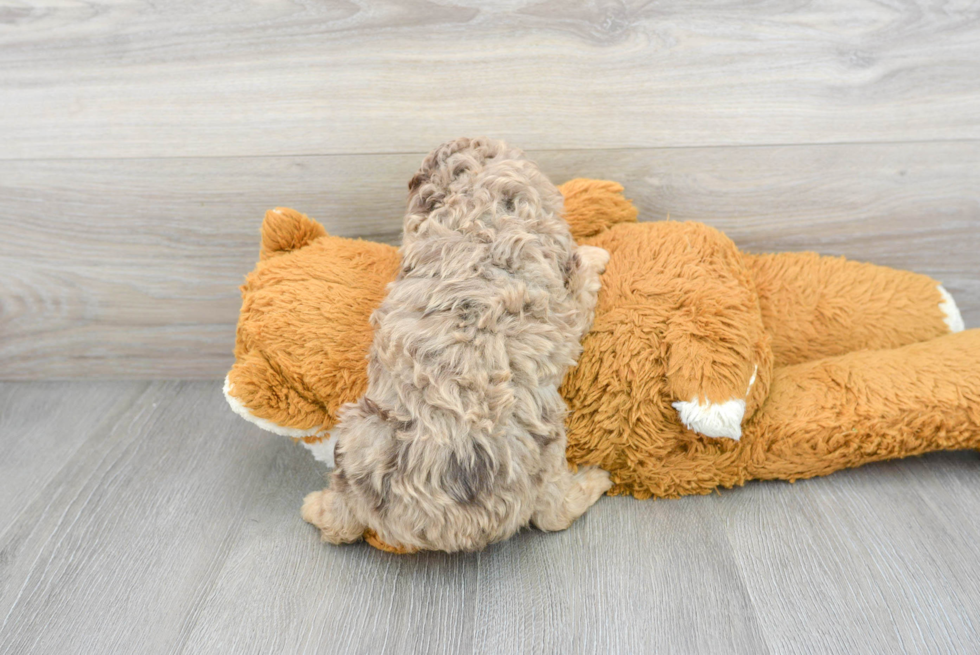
[(328, 511), (312, 511), (592, 482)]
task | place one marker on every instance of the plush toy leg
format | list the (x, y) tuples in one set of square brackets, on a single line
[(566, 495), (845, 411), (718, 356), (328, 510), (817, 306)]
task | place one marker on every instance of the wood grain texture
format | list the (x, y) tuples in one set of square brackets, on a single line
[(130, 268), (133, 78), (852, 538), (92, 564), (41, 432), (175, 528)]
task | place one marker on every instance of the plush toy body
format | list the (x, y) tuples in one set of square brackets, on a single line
[(705, 367)]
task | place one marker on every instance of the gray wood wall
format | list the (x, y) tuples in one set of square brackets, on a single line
[(140, 142)]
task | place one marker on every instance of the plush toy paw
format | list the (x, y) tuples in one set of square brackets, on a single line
[(717, 420), (951, 313)]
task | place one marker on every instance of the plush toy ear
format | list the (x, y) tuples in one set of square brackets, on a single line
[(286, 229), (592, 206)]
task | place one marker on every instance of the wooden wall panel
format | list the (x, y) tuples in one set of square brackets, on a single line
[(134, 78), (129, 268)]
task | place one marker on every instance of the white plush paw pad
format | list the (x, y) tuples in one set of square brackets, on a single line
[(239, 408), (951, 313), (323, 450), (718, 420)]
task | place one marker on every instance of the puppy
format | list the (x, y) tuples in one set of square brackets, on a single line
[(460, 440)]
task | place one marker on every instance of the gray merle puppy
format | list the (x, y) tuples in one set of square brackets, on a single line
[(460, 440)]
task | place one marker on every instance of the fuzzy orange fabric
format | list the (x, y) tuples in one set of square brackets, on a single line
[(303, 334), (371, 537), (840, 363)]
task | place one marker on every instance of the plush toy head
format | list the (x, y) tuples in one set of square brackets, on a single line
[(303, 334)]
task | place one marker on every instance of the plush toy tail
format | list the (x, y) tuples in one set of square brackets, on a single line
[(866, 406), (286, 229)]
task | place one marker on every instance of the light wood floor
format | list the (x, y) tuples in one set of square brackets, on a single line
[(147, 518)]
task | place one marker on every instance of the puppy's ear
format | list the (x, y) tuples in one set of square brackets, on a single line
[(592, 206), (285, 229)]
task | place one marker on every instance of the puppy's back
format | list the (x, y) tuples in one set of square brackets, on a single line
[(470, 346)]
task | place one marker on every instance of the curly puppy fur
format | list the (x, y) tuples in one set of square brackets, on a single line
[(460, 439)]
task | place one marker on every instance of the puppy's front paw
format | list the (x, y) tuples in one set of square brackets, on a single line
[(717, 420), (594, 258)]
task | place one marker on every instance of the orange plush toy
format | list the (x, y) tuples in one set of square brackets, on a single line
[(705, 367)]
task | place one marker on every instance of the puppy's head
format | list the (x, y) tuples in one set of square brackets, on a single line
[(478, 174)]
